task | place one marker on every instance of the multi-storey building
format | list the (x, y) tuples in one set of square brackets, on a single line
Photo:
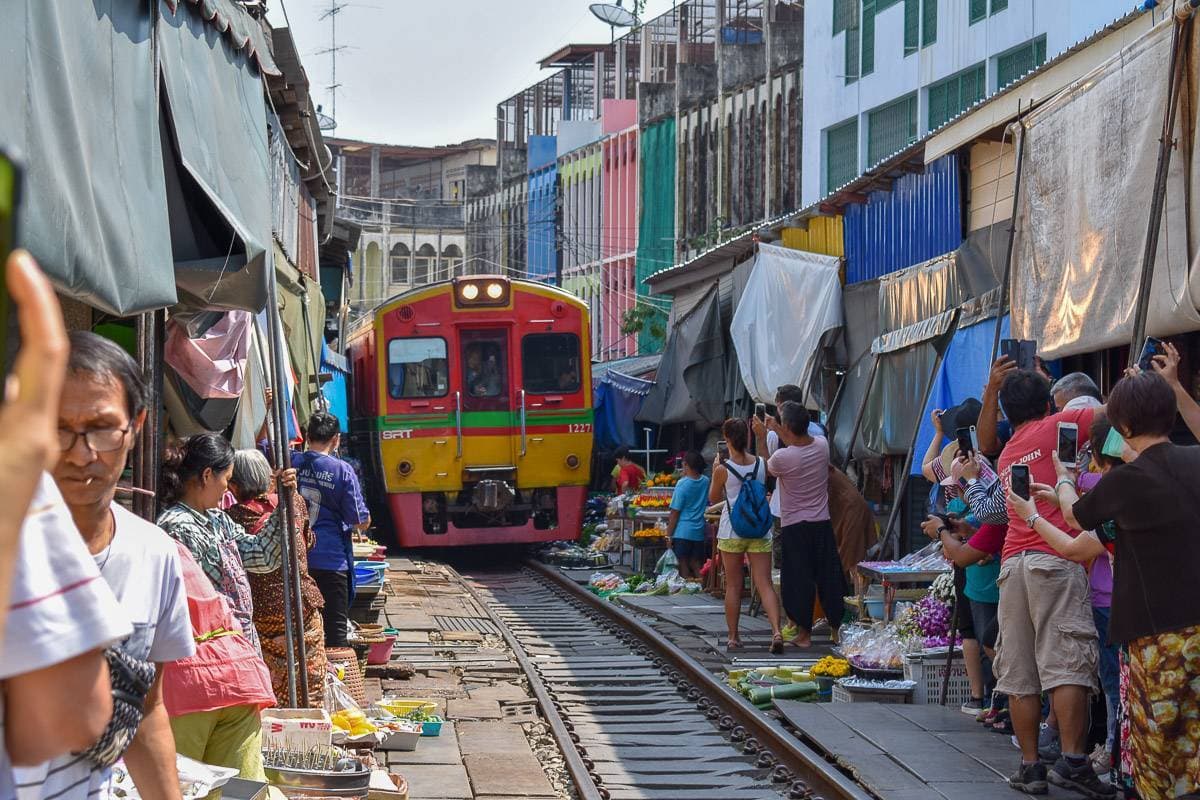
[(880, 74), (409, 202)]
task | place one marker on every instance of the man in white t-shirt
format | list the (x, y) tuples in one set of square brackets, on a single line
[(102, 410), (61, 616)]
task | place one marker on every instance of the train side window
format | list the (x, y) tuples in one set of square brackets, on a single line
[(417, 368), (550, 363)]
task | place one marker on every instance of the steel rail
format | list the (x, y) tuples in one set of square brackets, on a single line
[(805, 763), (585, 781)]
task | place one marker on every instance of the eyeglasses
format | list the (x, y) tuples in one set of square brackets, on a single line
[(99, 441)]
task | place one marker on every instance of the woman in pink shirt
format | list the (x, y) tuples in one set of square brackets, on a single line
[(215, 698), (811, 565)]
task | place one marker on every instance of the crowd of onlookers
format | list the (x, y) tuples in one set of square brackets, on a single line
[(1072, 580), (127, 639)]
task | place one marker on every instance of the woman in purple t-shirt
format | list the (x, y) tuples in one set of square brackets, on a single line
[(811, 565)]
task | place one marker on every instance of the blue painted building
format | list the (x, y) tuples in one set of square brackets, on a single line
[(541, 227)]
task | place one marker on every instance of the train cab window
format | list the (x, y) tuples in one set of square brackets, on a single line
[(417, 368), (550, 363)]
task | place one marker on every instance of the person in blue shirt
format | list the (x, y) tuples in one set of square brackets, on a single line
[(336, 508), (685, 524)]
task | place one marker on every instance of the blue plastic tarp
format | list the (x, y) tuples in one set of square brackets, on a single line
[(617, 399), (962, 375), (335, 390)]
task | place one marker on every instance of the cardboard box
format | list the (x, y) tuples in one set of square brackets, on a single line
[(296, 728)]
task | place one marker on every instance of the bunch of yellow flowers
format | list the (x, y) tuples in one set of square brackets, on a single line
[(831, 667)]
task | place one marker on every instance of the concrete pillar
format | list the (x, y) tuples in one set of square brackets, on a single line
[(374, 171)]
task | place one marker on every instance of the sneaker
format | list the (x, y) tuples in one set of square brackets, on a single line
[(1082, 779), (974, 707), (1049, 746), (1030, 779), (1101, 760)]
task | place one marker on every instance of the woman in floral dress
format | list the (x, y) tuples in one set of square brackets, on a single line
[(256, 507), (195, 476)]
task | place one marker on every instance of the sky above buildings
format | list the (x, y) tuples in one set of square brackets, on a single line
[(428, 72)]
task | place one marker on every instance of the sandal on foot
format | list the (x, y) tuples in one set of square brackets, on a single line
[(733, 644), (776, 645)]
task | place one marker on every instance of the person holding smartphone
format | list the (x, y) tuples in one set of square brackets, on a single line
[(1153, 504), (1047, 640)]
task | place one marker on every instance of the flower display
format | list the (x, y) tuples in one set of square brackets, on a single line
[(929, 620)]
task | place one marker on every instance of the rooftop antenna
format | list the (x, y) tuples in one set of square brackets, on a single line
[(614, 15), (331, 14)]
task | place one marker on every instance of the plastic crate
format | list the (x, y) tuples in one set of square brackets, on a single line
[(928, 670), (853, 694)]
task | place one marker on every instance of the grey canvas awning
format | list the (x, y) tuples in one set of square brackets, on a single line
[(690, 383), (81, 113), (219, 126)]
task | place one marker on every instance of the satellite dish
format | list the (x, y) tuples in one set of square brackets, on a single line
[(325, 122), (613, 15)]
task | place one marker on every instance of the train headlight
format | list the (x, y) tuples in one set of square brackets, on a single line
[(494, 291), (405, 468), (572, 461), (470, 291)]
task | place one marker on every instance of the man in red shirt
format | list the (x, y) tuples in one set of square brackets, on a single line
[(1047, 638), (630, 477)]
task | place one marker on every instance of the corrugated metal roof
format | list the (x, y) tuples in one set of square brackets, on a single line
[(633, 366)]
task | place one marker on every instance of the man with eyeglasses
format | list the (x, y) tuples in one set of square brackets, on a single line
[(102, 409)]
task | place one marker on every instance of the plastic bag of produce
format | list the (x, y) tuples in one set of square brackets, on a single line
[(667, 564)]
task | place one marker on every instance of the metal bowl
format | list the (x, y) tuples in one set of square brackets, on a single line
[(320, 783)]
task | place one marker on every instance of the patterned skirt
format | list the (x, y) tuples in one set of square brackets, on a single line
[(1160, 715), (274, 648)]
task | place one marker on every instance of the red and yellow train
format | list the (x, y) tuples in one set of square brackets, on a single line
[(472, 411)]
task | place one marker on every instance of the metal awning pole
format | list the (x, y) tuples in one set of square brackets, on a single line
[(1166, 142), (279, 448), (1002, 300)]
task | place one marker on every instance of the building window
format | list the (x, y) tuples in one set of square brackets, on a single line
[(867, 64), (452, 259), (928, 22), (999, 5), (912, 26), (851, 64), (891, 128), (398, 261), (979, 10), (424, 264), (1020, 61), (841, 154), (844, 13), (954, 95)]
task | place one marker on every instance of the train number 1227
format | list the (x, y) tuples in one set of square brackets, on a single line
[(579, 427)]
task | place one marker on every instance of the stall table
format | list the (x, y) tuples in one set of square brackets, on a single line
[(891, 578)]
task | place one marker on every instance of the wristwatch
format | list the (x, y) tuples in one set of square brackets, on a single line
[(1031, 521)]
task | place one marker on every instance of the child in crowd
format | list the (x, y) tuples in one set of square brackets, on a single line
[(685, 525)]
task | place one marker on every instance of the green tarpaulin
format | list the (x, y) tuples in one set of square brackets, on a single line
[(656, 227)]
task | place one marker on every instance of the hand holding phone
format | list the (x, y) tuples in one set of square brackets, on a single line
[(1068, 444), (1019, 480), (722, 450), (968, 441), (1151, 348)]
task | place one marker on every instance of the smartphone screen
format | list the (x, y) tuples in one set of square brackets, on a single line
[(1150, 349), (966, 443), (1068, 443), (760, 411), (723, 449), (1010, 348), (10, 178), (1027, 358), (1020, 480)]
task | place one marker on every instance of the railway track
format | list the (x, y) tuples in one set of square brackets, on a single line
[(637, 718)]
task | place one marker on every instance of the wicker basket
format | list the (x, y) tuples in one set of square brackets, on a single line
[(347, 658)]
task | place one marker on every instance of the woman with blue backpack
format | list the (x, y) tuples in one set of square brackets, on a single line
[(740, 482)]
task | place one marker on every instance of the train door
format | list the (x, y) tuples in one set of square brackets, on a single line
[(489, 395)]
